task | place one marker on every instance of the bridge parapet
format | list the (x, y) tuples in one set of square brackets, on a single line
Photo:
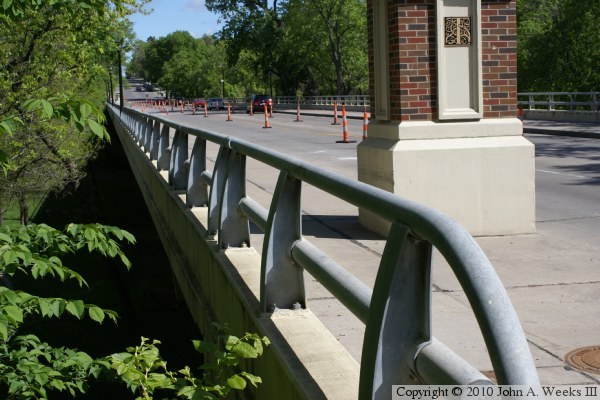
[(561, 106), (203, 219)]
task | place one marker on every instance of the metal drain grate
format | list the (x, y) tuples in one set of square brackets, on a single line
[(585, 359)]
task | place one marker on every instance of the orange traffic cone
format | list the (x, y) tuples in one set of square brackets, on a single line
[(298, 113), (267, 126), (365, 123), (335, 117), (345, 138)]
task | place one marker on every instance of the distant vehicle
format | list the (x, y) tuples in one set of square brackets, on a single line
[(258, 102), (149, 86), (138, 88), (199, 103), (216, 103)]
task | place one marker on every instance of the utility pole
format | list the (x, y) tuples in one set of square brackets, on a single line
[(120, 81)]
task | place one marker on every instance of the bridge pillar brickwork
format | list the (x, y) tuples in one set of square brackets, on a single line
[(444, 128)]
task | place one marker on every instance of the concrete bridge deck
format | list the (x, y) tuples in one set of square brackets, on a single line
[(553, 277)]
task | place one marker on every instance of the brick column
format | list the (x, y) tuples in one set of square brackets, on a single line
[(444, 128)]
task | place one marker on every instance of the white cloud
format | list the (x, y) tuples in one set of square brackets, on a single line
[(194, 5)]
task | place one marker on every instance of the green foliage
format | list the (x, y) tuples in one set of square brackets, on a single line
[(51, 53), (298, 46), (145, 373), (558, 45), (30, 368)]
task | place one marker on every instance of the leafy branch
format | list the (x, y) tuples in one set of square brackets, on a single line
[(144, 371)]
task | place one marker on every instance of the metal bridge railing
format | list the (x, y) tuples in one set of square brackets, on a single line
[(398, 345), (565, 101), (324, 101)]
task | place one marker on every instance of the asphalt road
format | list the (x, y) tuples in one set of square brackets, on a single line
[(568, 183), (567, 168)]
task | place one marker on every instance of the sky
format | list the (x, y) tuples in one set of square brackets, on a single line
[(175, 15)]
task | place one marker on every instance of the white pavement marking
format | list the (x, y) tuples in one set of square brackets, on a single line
[(560, 173)]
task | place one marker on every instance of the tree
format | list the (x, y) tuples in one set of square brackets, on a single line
[(52, 52), (334, 30), (160, 51), (558, 45)]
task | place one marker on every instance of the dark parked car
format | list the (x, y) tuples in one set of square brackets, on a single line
[(258, 102)]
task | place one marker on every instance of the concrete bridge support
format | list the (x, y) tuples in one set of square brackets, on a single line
[(444, 131)]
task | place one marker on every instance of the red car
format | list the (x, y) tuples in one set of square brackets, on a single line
[(199, 103), (258, 102)]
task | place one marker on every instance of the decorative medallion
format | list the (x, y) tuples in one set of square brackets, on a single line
[(458, 31)]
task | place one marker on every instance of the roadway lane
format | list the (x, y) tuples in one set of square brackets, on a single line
[(568, 183)]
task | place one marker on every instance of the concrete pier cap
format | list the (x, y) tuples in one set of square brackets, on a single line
[(444, 132)]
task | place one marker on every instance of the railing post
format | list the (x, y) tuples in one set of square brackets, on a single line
[(550, 102), (154, 138), (164, 151), (531, 102), (282, 280), (218, 181), (234, 229), (143, 129), (137, 128), (571, 103), (179, 155), (197, 189), (148, 135), (399, 323)]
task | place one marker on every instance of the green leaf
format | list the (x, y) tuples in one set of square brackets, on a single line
[(96, 313), (47, 109), (6, 4), (9, 257), (244, 350), (236, 382), (8, 127), (3, 327), (97, 129), (13, 313), (76, 308), (85, 109), (253, 379), (204, 347), (44, 307), (5, 238)]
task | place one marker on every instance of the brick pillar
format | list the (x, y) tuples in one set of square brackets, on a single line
[(444, 128)]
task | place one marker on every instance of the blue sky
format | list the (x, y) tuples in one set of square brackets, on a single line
[(175, 15)]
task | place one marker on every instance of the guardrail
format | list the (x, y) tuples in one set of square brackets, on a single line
[(398, 346), (326, 101), (560, 101)]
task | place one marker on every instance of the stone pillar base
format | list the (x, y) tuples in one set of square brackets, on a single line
[(482, 173)]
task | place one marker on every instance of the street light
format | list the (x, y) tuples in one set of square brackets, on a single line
[(222, 80)]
